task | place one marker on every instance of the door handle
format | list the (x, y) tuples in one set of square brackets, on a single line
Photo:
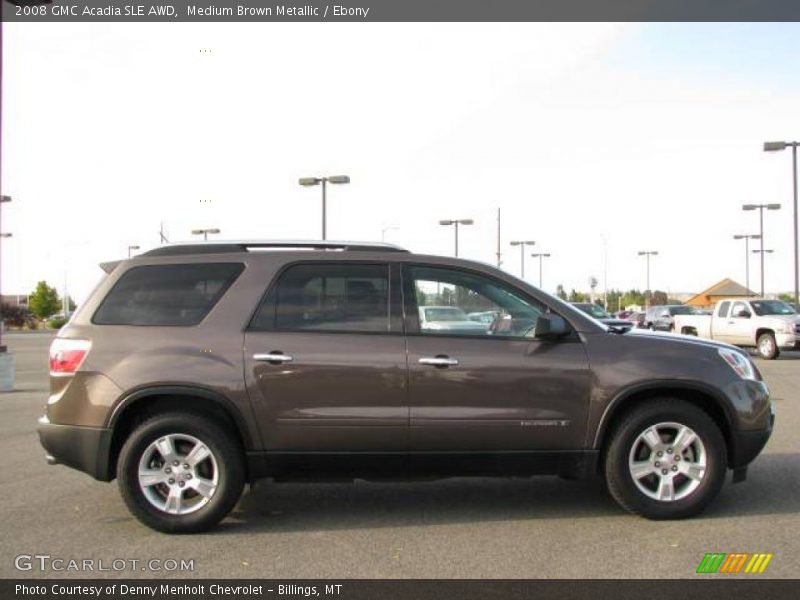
[(438, 361), (273, 357)]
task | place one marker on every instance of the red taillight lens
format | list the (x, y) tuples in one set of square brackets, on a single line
[(67, 355)]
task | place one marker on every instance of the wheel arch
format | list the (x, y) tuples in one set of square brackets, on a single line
[(696, 393), (143, 403)]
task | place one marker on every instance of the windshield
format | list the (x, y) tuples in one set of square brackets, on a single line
[(771, 307), (682, 310), (445, 314)]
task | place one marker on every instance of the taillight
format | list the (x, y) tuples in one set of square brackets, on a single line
[(67, 355)]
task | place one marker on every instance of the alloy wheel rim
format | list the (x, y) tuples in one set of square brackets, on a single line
[(667, 461), (766, 346), (178, 474)]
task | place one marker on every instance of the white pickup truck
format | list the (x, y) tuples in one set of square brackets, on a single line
[(767, 325)]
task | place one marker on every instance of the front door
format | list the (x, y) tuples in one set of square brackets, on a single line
[(740, 328), (483, 384), (325, 360)]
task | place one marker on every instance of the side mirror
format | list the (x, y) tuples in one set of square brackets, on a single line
[(744, 314), (549, 326)]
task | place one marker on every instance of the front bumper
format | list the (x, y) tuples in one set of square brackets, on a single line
[(787, 341), (746, 445), (84, 448)]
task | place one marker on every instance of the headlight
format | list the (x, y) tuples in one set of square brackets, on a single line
[(739, 363), (786, 328)]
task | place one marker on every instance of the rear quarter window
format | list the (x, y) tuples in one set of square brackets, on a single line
[(166, 295)]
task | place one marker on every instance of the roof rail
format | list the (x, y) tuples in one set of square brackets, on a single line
[(216, 247)]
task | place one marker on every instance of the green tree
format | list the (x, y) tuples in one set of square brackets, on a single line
[(44, 301), (560, 292)]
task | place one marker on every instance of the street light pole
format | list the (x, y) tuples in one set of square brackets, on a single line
[(522, 244), (540, 256), (456, 223), (132, 248), (312, 181), (648, 292), (203, 232), (776, 147), (760, 208), (747, 238)]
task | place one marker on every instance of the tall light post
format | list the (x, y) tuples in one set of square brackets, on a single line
[(205, 232), (130, 249), (385, 229), (763, 253), (324, 181), (522, 244), (777, 147), (648, 293), (456, 223), (540, 256), (747, 237), (760, 208), (3, 200)]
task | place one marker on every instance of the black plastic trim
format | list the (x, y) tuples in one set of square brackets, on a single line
[(86, 449)]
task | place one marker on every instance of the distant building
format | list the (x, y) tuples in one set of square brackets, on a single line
[(727, 288), (14, 299)]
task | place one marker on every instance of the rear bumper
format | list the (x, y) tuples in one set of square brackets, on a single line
[(84, 448)]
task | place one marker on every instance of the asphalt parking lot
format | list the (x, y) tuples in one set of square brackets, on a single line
[(479, 528)]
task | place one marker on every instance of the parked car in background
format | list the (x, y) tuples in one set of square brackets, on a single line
[(767, 325), (449, 318), (486, 317), (662, 317), (637, 318), (599, 313), (624, 314)]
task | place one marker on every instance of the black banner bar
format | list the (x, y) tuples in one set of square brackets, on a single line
[(708, 588), (132, 11)]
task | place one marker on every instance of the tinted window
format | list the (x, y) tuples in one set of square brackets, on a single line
[(166, 294), (333, 297), (723, 309), (453, 302), (771, 307)]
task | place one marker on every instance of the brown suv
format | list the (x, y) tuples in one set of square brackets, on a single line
[(195, 368)]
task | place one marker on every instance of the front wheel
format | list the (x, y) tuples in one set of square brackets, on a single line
[(767, 347), (180, 472), (666, 460)]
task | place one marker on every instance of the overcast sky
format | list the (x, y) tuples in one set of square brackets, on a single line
[(646, 135)]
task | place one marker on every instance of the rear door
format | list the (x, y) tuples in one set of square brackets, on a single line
[(720, 329), (325, 360), (489, 388)]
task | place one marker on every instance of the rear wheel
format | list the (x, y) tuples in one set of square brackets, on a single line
[(666, 460), (180, 472), (767, 347)]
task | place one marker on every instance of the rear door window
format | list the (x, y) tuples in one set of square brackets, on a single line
[(328, 297), (178, 295), (723, 309)]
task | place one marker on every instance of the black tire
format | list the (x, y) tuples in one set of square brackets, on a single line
[(767, 347), (228, 457), (624, 436)]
